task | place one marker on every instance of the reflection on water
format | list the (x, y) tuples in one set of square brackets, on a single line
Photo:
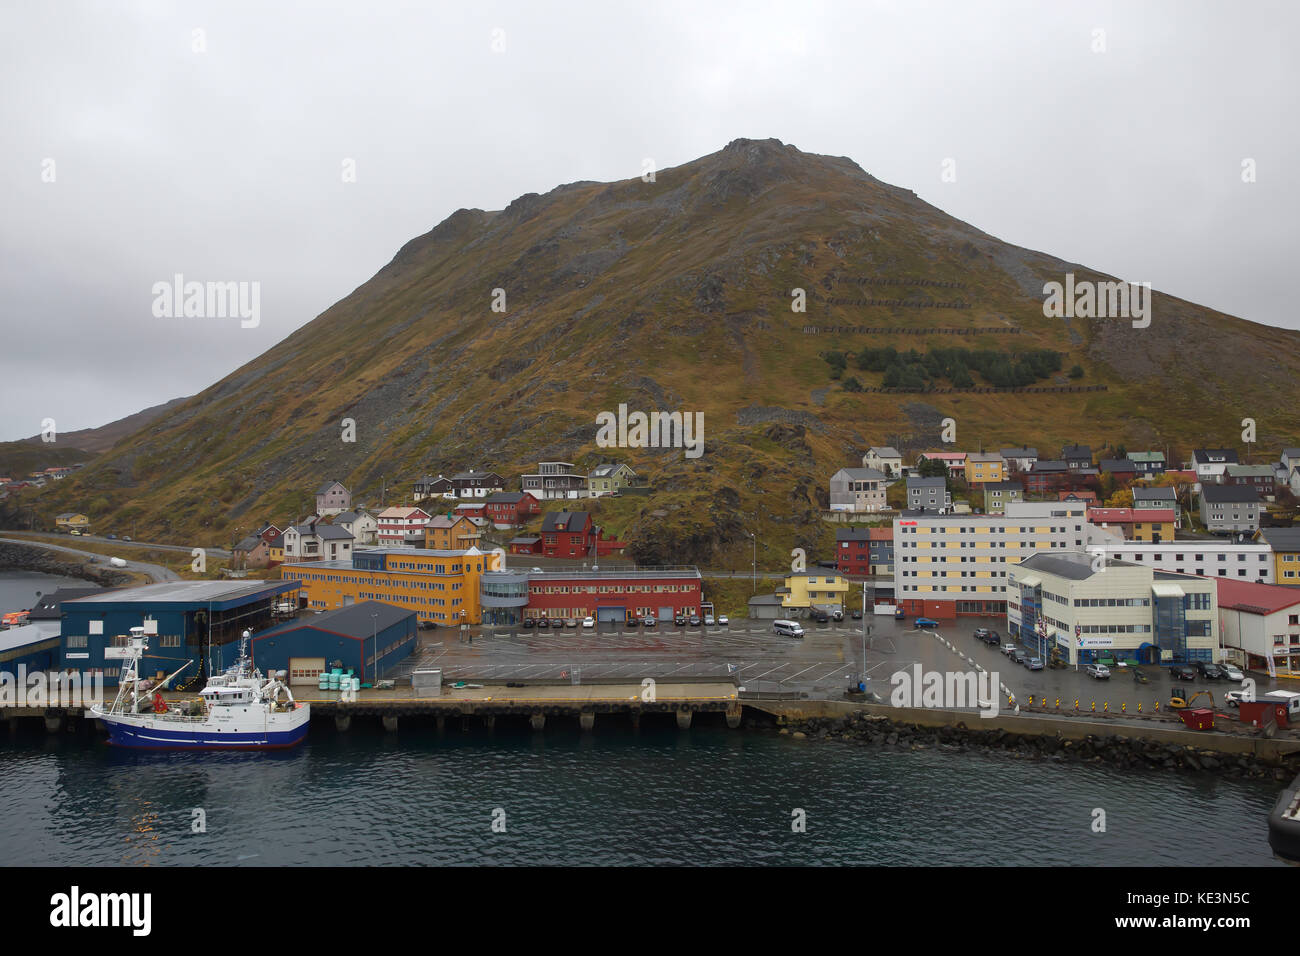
[(707, 796)]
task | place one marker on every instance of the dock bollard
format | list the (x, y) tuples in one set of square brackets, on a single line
[(1123, 708), (1157, 707), (1058, 703), (1094, 706), (1076, 703), (1139, 707), (1105, 707)]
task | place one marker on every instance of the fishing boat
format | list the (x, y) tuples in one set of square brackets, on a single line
[(237, 710)]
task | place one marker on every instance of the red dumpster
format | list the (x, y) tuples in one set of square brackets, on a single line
[(1202, 718), (1257, 713)]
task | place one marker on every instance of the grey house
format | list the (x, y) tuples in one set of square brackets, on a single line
[(1230, 509), (858, 490), (998, 493), (929, 494)]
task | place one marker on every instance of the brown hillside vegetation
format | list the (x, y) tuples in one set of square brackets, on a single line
[(676, 296)]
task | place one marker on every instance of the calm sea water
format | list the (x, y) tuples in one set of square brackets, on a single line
[(660, 796), (19, 589)]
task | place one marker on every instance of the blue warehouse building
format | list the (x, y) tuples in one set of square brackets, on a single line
[(351, 637), (183, 620)]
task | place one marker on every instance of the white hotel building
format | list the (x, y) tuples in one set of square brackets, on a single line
[(1247, 561), (1086, 607), (945, 565)]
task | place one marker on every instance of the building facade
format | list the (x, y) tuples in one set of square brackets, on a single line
[(1084, 608), (858, 490)]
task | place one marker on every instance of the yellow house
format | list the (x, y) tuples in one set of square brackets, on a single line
[(1285, 545), (439, 586), (69, 520), (808, 588), (456, 533), (983, 468)]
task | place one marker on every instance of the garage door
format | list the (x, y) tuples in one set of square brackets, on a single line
[(305, 670), (666, 614), (611, 614)]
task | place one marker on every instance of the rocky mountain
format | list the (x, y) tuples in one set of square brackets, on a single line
[(494, 340)]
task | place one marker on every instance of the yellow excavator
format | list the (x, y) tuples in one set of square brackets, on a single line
[(1180, 701)]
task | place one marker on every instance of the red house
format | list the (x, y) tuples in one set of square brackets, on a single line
[(572, 534), (509, 508), (526, 544), (614, 596)]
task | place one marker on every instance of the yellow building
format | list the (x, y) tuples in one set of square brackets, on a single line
[(439, 586), (70, 520), (443, 533), (814, 588), (1285, 545), (982, 469)]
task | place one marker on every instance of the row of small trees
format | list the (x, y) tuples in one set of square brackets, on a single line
[(920, 370)]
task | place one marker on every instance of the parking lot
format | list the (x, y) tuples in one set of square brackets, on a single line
[(821, 664)]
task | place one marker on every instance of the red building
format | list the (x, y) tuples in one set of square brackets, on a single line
[(614, 595), (477, 510), (510, 508), (864, 551), (526, 544), (572, 534)]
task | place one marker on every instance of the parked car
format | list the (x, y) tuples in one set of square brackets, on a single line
[(708, 620), (632, 621), (1007, 648), (1098, 671), (1233, 698), (856, 614), (926, 622), (837, 614), (588, 622), (1034, 663), (543, 622), (1183, 672), (1232, 672), (570, 622), (649, 620), (898, 612), (529, 622), (112, 537), (1016, 655), (982, 633), (557, 622), (680, 620), (1208, 670), (723, 620), (428, 625), (695, 621), (821, 617)]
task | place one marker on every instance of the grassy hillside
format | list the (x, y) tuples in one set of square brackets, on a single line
[(676, 295)]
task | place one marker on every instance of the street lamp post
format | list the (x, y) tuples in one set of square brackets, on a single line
[(755, 566)]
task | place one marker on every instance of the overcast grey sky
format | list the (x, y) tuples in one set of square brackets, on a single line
[(226, 163)]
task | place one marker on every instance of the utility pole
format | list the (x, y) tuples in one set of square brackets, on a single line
[(755, 537)]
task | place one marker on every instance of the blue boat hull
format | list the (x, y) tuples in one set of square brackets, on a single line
[(149, 738)]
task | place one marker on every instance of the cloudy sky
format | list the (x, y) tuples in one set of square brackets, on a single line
[(142, 140)]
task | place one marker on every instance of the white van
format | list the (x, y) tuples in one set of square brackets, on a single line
[(788, 628)]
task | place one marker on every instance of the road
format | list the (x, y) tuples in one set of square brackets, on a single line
[(50, 536), (155, 571)]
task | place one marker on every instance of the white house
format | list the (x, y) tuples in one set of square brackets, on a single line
[(884, 459)]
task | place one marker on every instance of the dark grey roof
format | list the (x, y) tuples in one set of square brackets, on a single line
[(1077, 451), (1078, 569), (1018, 452), (1164, 493), (474, 475), (1281, 539), (249, 543), (1230, 494), (46, 607), (526, 539), (505, 497), (853, 534), (354, 620), (328, 485), (1116, 464), (924, 483), (1049, 464), (765, 599), (1228, 455), (567, 518), (1001, 485), (329, 532)]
